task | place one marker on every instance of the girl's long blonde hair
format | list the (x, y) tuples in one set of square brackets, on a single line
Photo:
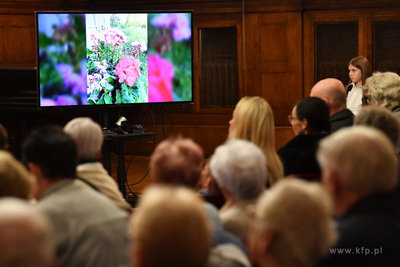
[(254, 121)]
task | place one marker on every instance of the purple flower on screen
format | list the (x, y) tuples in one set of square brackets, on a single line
[(48, 23), (65, 100), (46, 102), (75, 81), (161, 21), (178, 22)]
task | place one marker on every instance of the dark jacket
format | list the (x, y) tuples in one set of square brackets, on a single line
[(341, 119), (370, 231), (299, 154)]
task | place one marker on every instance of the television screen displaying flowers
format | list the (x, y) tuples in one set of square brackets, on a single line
[(114, 58)]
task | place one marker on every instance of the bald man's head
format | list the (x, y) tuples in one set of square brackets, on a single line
[(332, 91)]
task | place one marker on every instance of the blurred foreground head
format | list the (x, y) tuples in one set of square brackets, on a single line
[(88, 136), (170, 227), (239, 166), (26, 236), (292, 225), (356, 162), (15, 179), (177, 161)]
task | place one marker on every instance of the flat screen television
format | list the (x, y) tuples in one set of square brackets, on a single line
[(114, 58)]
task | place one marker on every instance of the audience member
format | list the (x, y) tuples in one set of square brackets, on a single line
[(178, 162), (292, 225), (209, 189), (89, 139), (4, 144), (170, 228), (89, 227), (15, 179), (241, 178), (26, 235), (384, 90), (380, 118), (253, 120), (359, 168), (310, 123), (332, 91), (359, 70)]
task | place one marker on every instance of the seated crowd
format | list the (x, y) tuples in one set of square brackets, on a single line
[(329, 197)]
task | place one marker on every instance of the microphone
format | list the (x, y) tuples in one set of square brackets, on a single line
[(122, 120)]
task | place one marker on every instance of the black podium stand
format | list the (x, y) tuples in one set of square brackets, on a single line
[(118, 141)]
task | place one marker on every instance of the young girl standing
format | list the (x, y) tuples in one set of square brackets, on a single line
[(359, 71)]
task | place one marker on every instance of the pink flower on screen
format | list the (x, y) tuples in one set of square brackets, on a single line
[(178, 22), (128, 70), (161, 73), (113, 37), (141, 44)]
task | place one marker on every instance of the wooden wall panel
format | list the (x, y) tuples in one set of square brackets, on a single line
[(17, 41), (274, 61), (310, 19), (208, 137), (276, 89), (2, 46), (271, 38), (274, 50), (282, 136), (345, 4), (364, 18)]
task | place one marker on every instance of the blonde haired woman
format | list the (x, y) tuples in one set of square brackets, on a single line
[(253, 120)]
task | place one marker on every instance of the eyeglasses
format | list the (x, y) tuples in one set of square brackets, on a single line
[(366, 100), (290, 118)]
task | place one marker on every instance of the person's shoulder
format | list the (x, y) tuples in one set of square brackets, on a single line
[(379, 212), (341, 119), (342, 114), (227, 255), (306, 140), (349, 88), (71, 196), (292, 143)]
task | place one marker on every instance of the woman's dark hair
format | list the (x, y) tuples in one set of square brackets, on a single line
[(316, 112), (53, 150)]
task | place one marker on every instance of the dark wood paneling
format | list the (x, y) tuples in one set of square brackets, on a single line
[(274, 61), (345, 4), (208, 136), (273, 36), (17, 41), (364, 18)]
